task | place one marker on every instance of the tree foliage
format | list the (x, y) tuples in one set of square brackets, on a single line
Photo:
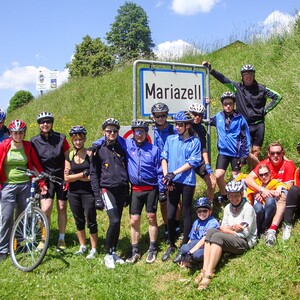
[(130, 35), (91, 58), (19, 99)]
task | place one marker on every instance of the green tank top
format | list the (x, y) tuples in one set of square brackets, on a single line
[(15, 158)]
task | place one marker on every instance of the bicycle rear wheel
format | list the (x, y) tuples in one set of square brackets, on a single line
[(29, 239)]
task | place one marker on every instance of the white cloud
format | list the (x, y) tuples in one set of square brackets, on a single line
[(192, 7), (276, 23), (175, 49)]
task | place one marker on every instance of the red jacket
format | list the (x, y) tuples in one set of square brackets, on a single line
[(32, 158)]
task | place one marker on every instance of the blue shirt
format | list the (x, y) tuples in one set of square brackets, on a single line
[(200, 228)]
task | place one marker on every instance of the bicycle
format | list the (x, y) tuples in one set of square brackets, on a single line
[(31, 231)]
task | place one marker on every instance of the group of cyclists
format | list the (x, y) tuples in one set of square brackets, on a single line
[(116, 172)]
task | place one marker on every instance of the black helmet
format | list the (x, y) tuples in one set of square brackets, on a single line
[(111, 121), (45, 115), (247, 68), (77, 129), (183, 116), (202, 202), (139, 124), (228, 95), (159, 108)]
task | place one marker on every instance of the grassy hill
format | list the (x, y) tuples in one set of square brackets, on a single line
[(262, 273)]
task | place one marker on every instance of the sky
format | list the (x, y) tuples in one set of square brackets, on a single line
[(41, 35)]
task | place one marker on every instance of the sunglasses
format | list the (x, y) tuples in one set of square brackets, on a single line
[(202, 211), (179, 124), (109, 131), (227, 103), (160, 116), (45, 121), (275, 153), (197, 115), (263, 174)]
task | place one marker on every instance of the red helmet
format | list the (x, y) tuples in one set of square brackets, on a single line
[(17, 125)]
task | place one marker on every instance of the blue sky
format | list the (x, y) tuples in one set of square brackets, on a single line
[(37, 35)]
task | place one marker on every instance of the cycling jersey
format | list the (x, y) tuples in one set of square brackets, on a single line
[(177, 152), (51, 152), (250, 100), (160, 136), (200, 227), (200, 132), (234, 136), (4, 133)]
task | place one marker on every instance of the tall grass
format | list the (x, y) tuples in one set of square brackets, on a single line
[(262, 273)]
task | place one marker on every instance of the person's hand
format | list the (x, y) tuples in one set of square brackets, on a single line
[(208, 168), (241, 162), (162, 197), (86, 173), (168, 178), (99, 204), (207, 65)]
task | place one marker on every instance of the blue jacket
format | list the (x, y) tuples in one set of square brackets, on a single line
[(234, 142), (178, 152), (143, 162), (199, 228), (160, 136)]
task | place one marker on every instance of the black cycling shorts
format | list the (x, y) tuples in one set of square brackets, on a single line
[(257, 134), (201, 170), (147, 198), (223, 162), (55, 188)]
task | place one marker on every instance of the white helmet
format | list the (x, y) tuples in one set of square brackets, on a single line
[(197, 108), (234, 187)]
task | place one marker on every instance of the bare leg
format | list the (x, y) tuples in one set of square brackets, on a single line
[(253, 157), (210, 182), (62, 215), (220, 177), (164, 212), (94, 239), (153, 228), (81, 237), (47, 205), (280, 209), (135, 222)]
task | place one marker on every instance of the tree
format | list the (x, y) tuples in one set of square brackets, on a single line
[(91, 58), (130, 35), (19, 99)]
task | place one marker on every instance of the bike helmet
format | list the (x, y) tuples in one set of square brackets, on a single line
[(111, 121), (77, 129), (139, 124), (45, 115), (234, 187), (17, 125), (247, 68), (228, 95), (159, 108), (2, 115), (197, 108), (202, 202), (183, 116)]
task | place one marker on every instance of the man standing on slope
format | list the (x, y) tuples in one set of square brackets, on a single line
[(251, 98)]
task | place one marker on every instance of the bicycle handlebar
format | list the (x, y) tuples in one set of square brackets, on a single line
[(42, 175)]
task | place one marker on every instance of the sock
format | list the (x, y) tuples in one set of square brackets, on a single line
[(135, 248), (274, 227), (152, 246), (61, 237)]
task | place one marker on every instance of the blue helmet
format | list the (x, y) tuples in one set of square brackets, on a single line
[(2, 115), (202, 202), (183, 116), (77, 129)]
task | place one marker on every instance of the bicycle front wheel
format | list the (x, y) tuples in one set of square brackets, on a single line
[(29, 239)]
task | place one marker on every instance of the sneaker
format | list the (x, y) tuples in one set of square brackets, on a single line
[(109, 261), (92, 254), (82, 250), (178, 258), (134, 258), (40, 246), (151, 257), (286, 232), (168, 253), (61, 245), (270, 237), (118, 259)]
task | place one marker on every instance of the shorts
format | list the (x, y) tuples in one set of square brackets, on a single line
[(55, 188), (224, 160), (147, 198), (201, 170), (229, 242), (257, 134)]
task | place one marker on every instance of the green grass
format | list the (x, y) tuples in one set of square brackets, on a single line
[(262, 273)]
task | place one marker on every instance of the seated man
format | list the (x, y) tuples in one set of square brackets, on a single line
[(283, 170)]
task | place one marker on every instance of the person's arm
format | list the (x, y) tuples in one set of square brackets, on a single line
[(95, 174), (276, 98), (245, 139), (250, 181)]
